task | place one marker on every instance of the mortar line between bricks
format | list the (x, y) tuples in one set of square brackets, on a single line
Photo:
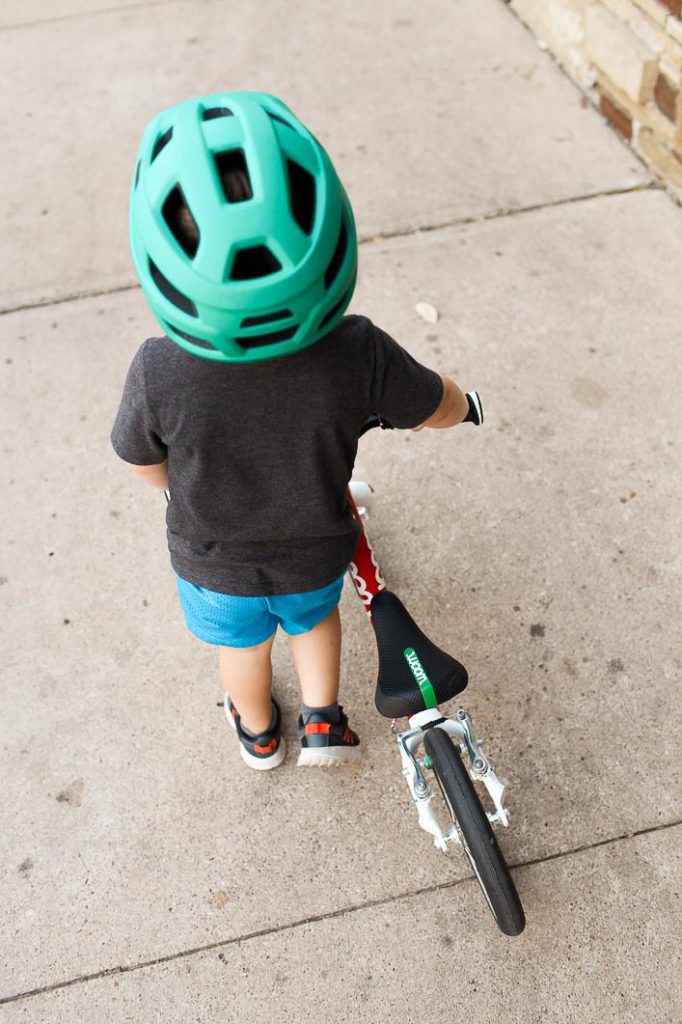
[(330, 916), (422, 229)]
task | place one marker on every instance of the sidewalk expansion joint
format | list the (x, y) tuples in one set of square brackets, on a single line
[(96, 293), (514, 211), (422, 229), (330, 916), (87, 14)]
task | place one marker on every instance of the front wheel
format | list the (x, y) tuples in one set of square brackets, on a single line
[(475, 831)]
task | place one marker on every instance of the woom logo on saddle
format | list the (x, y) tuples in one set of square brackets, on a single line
[(421, 678)]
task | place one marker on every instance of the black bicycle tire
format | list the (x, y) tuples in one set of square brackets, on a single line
[(467, 812)]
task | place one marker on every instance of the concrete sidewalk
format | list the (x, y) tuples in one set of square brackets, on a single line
[(148, 875)]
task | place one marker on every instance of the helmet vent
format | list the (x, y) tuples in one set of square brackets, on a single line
[(337, 259), (268, 339), (190, 337), (160, 143), (301, 196), (256, 261), (170, 292), (213, 112), (234, 175), (179, 219), (256, 321), (280, 120), (335, 309), (137, 173)]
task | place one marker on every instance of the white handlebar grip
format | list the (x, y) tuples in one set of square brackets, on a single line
[(475, 414)]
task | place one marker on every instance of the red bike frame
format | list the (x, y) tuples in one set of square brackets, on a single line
[(364, 568)]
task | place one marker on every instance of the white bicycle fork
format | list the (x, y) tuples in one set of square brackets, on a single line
[(480, 769)]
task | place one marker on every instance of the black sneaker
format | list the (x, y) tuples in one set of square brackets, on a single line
[(260, 752), (325, 743)]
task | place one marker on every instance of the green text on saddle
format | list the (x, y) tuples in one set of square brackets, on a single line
[(422, 680)]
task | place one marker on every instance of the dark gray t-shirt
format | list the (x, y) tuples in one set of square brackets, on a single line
[(259, 455)]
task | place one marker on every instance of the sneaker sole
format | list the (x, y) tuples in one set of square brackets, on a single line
[(326, 757), (261, 764), (264, 764)]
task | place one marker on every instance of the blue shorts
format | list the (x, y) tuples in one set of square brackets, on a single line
[(231, 621)]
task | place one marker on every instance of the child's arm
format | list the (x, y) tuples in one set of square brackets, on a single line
[(409, 395), (453, 407), (156, 475)]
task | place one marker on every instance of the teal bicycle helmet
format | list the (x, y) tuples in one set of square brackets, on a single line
[(242, 235)]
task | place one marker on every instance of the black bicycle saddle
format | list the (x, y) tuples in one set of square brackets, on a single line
[(406, 658)]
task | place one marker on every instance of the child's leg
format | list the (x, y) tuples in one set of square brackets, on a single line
[(317, 656), (326, 739), (246, 673)]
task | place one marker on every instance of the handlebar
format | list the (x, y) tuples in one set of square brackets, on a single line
[(374, 420)]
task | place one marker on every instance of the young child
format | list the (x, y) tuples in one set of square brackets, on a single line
[(248, 409)]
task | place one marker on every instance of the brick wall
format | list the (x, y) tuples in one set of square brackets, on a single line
[(627, 56)]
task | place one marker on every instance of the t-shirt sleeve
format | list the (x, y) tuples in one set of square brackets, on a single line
[(135, 436), (404, 392)]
